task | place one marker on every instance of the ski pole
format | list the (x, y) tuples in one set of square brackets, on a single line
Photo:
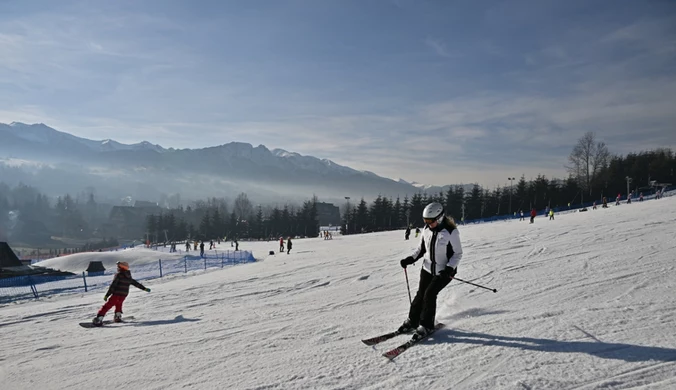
[(474, 284), (408, 287)]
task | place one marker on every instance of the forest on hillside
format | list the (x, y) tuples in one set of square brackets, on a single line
[(28, 216)]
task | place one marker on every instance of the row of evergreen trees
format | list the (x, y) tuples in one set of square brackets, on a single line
[(211, 220), (81, 216), (642, 168)]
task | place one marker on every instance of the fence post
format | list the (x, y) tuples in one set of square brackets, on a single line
[(185, 263), (33, 288), (160, 268), (205, 262), (85, 280), (222, 258)]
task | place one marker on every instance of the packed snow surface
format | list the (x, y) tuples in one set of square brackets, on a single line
[(587, 301)]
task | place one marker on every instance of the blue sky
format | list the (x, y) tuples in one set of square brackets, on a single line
[(438, 92)]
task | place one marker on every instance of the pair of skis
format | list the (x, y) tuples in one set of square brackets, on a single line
[(393, 353)]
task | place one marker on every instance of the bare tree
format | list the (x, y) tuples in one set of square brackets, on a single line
[(242, 207), (587, 159)]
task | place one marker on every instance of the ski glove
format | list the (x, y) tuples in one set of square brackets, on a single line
[(407, 261), (105, 297), (147, 290), (448, 272)]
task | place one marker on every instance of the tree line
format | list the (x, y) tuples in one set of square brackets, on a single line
[(594, 174), (212, 219), (29, 216)]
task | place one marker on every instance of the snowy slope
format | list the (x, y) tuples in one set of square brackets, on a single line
[(584, 302)]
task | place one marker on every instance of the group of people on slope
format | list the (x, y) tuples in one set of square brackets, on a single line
[(439, 248), (289, 244)]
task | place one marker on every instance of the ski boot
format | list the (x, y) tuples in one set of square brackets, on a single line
[(118, 317), (406, 327), (98, 321), (421, 332)]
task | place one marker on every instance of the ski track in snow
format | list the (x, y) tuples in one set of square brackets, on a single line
[(584, 302)]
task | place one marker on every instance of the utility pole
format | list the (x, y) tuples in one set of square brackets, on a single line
[(628, 182), (347, 216), (511, 187)]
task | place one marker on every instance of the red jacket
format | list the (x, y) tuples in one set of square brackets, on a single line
[(533, 213)]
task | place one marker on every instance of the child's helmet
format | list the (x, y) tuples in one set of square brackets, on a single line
[(123, 265)]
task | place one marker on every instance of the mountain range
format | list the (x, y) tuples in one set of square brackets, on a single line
[(57, 162)]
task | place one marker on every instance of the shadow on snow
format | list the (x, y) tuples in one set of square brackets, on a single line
[(619, 351), (178, 319)]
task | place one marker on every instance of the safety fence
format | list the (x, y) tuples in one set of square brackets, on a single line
[(39, 286)]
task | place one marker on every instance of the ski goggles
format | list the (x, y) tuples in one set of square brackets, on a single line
[(429, 221)]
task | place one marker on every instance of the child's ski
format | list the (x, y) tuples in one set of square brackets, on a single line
[(393, 353)]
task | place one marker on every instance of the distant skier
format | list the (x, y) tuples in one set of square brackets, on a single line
[(407, 234), (417, 232), (202, 249), (236, 245), (594, 206), (281, 244), (187, 246), (533, 214), (640, 197), (551, 214), (441, 252), (118, 291), (522, 218), (288, 245)]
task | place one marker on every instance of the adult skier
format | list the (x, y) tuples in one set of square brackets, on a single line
[(441, 252), (118, 291)]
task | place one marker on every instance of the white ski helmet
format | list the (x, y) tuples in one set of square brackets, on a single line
[(434, 211)]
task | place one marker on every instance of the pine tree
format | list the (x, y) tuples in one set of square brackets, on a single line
[(205, 227)]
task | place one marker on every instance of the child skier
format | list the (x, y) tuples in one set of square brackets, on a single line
[(441, 252), (117, 292)]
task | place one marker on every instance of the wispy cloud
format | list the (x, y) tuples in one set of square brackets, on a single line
[(439, 47), (409, 90)]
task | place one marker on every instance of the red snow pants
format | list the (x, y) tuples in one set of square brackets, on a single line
[(114, 300)]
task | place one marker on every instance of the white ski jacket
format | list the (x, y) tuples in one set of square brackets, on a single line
[(439, 247)]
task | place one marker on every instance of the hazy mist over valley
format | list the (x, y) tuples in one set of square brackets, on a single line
[(58, 163)]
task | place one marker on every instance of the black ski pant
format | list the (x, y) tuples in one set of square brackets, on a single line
[(424, 306)]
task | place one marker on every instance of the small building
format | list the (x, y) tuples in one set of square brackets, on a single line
[(328, 214), (7, 257), (95, 268), (130, 221)]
